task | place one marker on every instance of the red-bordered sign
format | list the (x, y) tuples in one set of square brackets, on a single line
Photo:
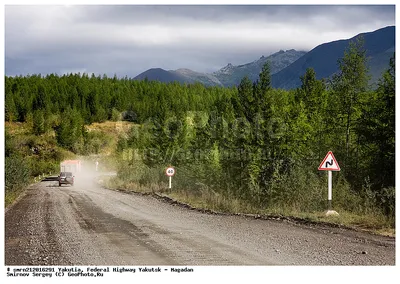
[(170, 171), (329, 163)]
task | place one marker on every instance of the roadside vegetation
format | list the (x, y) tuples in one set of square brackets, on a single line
[(29, 155), (249, 149)]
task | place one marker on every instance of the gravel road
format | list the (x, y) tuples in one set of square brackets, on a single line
[(88, 225)]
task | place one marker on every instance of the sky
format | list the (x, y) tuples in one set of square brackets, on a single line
[(125, 40)]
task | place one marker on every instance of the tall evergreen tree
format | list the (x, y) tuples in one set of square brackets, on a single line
[(265, 78), (247, 103), (38, 122), (376, 128), (11, 113), (349, 85)]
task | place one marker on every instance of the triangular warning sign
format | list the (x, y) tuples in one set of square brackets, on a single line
[(329, 163)]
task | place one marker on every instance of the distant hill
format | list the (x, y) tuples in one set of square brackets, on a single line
[(232, 75), (181, 75), (158, 74), (379, 46)]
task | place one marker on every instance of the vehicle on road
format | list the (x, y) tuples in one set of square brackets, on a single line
[(73, 166), (66, 178)]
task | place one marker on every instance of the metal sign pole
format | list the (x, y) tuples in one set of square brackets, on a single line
[(329, 190), (329, 164), (170, 171)]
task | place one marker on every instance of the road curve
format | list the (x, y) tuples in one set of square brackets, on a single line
[(88, 225)]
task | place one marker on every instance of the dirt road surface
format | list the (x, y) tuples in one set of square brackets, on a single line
[(89, 225)]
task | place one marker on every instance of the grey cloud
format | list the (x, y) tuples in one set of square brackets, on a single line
[(117, 39), (134, 14)]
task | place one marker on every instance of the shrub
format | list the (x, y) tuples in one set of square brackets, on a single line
[(17, 173)]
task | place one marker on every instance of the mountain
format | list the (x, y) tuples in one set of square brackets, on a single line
[(288, 66), (379, 46), (181, 75), (227, 76), (158, 74), (192, 76), (232, 75)]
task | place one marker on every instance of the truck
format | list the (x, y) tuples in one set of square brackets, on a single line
[(73, 166)]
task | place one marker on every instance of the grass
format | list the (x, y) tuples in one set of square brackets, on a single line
[(207, 200), (213, 202), (17, 128), (11, 196), (374, 223), (116, 184), (111, 127)]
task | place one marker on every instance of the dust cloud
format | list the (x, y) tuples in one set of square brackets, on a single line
[(91, 172)]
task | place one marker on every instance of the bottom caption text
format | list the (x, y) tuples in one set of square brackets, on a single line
[(89, 271)]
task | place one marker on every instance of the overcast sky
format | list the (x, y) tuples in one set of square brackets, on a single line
[(127, 40)]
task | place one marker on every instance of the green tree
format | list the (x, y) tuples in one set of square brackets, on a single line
[(311, 91), (265, 78), (349, 86), (16, 172), (38, 122), (115, 115), (69, 133), (11, 113), (247, 103), (310, 105), (349, 89), (41, 100), (376, 128)]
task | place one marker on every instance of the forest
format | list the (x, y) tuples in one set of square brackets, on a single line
[(251, 144)]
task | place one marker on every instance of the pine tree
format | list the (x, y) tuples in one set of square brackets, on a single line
[(349, 85), (265, 78), (376, 128), (10, 108), (38, 122), (246, 102)]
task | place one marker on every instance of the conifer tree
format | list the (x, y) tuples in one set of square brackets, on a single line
[(349, 86)]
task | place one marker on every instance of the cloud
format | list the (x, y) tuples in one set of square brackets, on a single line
[(127, 40)]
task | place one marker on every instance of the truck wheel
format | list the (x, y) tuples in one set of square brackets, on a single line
[(59, 184)]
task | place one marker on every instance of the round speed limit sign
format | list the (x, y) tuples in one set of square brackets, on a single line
[(170, 171)]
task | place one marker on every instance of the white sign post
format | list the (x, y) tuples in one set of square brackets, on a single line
[(170, 171), (329, 164)]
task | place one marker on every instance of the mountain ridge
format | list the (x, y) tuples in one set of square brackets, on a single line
[(228, 75), (287, 66), (324, 58), (231, 75)]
